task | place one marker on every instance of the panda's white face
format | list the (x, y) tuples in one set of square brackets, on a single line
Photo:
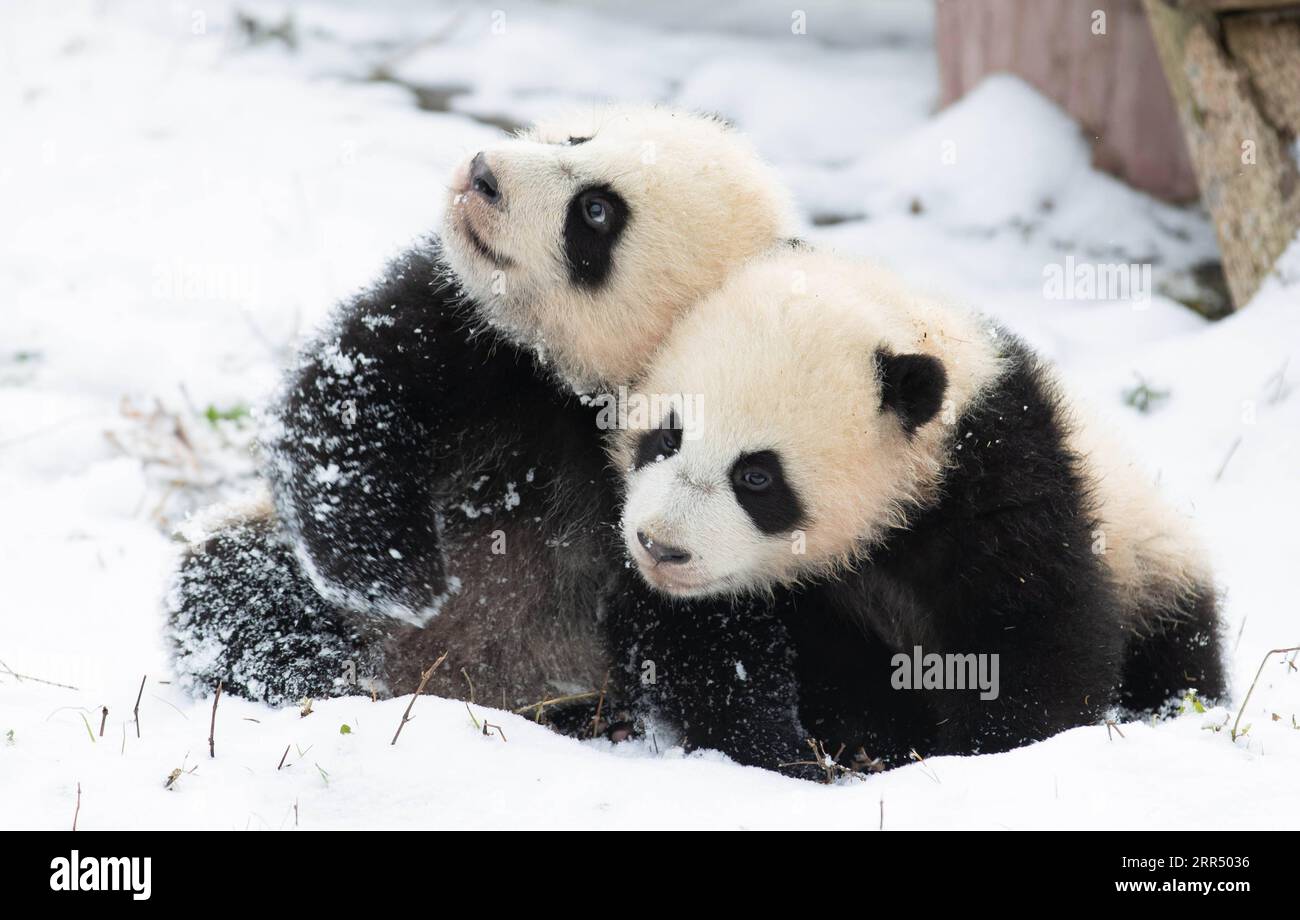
[(818, 388), (583, 238), (708, 516)]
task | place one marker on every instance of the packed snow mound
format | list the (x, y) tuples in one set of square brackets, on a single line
[(1006, 157)]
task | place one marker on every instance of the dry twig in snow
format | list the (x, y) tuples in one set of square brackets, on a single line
[(424, 679), (136, 711), (212, 729), (1246, 699)]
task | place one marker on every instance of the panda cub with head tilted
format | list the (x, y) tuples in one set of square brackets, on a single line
[(900, 478), (438, 483)]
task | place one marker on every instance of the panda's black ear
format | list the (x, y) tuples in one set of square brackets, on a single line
[(911, 386)]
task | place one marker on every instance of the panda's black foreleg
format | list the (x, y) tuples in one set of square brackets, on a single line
[(373, 422), (847, 699), (720, 671)]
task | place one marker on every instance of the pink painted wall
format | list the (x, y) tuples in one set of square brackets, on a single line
[(1111, 84)]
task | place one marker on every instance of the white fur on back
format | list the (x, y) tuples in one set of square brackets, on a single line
[(1151, 549)]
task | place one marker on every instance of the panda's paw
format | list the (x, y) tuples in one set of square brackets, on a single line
[(622, 730)]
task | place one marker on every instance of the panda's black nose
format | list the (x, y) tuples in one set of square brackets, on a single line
[(662, 552), (482, 180)]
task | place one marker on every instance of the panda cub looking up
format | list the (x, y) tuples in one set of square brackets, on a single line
[(912, 477), (437, 484)]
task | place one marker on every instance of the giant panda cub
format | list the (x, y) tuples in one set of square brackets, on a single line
[(438, 484), (901, 479)]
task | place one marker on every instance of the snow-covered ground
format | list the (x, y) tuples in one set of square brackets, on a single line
[(183, 196)]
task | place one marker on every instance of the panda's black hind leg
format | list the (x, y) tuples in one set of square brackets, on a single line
[(1179, 652), (242, 612)]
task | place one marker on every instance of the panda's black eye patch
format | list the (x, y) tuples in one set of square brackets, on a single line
[(659, 443), (595, 220), (759, 482)]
